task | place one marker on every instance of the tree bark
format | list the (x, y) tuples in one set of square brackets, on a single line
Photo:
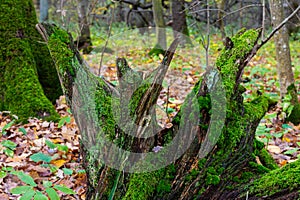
[(44, 7), (223, 156), (84, 41), (179, 24), (284, 63), (29, 81), (161, 38)]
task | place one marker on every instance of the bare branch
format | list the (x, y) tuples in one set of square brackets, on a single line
[(279, 27)]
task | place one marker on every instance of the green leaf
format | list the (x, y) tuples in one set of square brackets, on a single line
[(170, 110), (21, 189), (289, 110), (40, 157), (62, 148), (26, 178), (28, 195), (7, 169), (40, 196), (9, 144), (2, 174), (52, 194), (47, 184), (63, 120), (82, 171), (50, 144), (278, 135), (286, 126), (7, 126), (23, 130), (67, 171), (68, 119), (291, 151), (64, 189), (9, 152)]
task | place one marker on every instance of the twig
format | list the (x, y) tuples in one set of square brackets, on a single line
[(207, 34), (278, 27), (263, 19), (106, 42), (168, 95)]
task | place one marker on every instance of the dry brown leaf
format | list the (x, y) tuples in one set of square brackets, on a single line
[(274, 149)]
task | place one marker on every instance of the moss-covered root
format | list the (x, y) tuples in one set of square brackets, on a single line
[(276, 182), (20, 88)]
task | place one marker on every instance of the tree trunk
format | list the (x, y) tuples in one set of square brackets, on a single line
[(221, 7), (44, 7), (161, 38), (29, 81), (284, 63), (210, 152), (84, 41), (179, 21)]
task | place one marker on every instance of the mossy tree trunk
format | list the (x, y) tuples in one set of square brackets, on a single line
[(29, 82), (223, 156)]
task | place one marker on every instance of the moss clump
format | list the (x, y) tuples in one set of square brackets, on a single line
[(228, 60), (146, 185)]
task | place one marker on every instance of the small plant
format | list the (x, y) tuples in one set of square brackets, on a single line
[(64, 120), (287, 107), (9, 147), (29, 190), (7, 126)]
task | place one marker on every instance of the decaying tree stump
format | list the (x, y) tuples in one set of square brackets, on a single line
[(210, 152)]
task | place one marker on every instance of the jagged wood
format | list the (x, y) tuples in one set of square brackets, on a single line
[(232, 164)]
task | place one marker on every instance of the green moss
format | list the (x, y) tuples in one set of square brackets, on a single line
[(24, 88), (142, 186), (201, 163), (277, 180), (267, 160), (212, 179), (228, 63), (145, 185), (260, 169)]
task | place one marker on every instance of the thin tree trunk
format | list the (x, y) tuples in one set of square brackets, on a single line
[(179, 24), (283, 57), (161, 37), (284, 63), (84, 41), (44, 7)]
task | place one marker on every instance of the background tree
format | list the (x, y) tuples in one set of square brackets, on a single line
[(161, 37), (284, 63), (84, 40), (44, 7), (179, 24), (29, 82)]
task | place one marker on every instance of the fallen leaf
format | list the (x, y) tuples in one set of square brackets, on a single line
[(273, 149)]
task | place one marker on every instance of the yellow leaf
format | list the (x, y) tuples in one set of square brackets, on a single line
[(58, 163), (286, 139)]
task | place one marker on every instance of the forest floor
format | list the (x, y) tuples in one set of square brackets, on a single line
[(48, 153)]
